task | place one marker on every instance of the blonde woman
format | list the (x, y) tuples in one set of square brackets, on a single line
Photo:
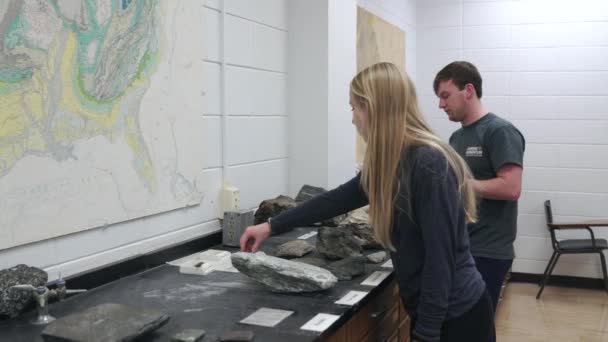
[(420, 201)]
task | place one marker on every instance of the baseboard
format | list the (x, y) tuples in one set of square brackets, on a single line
[(102, 268), (559, 280)]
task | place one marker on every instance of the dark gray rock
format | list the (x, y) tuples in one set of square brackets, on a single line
[(377, 257), (105, 322), (337, 243), (188, 335), (282, 275), (347, 268), (272, 207), (307, 192), (13, 301), (294, 249)]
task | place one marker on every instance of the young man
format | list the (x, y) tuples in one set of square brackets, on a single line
[(494, 149)]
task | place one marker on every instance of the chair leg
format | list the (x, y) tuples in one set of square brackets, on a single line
[(546, 278), (540, 282), (604, 270)]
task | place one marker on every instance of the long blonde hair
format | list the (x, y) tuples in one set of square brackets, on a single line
[(394, 124)]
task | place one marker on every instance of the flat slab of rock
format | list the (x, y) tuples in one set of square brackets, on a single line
[(272, 207), (13, 301), (337, 243), (188, 335), (282, 275), (294, 249), (105, 322)]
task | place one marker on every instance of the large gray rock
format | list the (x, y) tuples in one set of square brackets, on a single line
[(272, 207), (105, 322), (282, 275), (337, 243), (12, 300), (347, 268), (294, 249)]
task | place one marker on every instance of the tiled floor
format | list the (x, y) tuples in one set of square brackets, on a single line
[(562, 314)]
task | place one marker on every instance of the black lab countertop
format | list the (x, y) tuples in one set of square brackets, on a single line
[(215, 302)]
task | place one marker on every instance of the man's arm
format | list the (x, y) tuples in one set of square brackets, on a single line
[(506, 186)]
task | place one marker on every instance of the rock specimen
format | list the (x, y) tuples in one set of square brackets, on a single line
[(358, 222), (105, 322), (273, 207), (365, 233), (294, 249), (359, 216), (337, 243), (13, 301), (377, 257), (347, 268), (188, 335), (282, 275), (307, 192)]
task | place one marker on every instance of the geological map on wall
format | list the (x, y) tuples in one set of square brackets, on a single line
[(100, 113), (377, 41)]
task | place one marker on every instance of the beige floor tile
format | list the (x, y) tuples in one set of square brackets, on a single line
[(562, 314)]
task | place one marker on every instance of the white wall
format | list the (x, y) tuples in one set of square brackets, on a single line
[(545, 68), (322, 61), (255, 152)]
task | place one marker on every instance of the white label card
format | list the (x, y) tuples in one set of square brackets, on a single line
[(320, 322), (388, 264), (307, 235), (375, 278), (266, 317), (351, 298)]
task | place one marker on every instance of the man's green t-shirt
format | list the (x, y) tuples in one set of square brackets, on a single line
[(486, 145)]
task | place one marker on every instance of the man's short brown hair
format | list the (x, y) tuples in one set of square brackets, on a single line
[(461, 73)]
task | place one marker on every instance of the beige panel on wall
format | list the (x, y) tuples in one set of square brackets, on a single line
[(377, 41)]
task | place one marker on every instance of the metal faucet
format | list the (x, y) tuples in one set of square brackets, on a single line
[(42, 295)]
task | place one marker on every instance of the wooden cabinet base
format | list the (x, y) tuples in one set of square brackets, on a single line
[(382, 319)]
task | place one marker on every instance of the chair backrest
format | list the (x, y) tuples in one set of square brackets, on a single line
[(548, 212), (549, 219)]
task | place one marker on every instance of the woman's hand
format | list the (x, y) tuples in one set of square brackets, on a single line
[(253, 237)]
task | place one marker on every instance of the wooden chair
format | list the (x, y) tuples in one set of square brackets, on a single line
[(572, 246)]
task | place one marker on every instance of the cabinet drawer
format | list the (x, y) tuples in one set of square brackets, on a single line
[(371, 314), (404, 330), (387, 326)]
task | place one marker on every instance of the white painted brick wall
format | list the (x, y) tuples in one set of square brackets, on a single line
[(545, 67), (256, 96)]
